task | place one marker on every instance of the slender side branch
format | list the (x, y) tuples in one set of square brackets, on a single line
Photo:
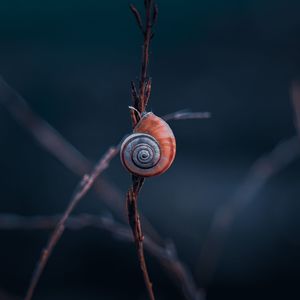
[(5, 296), (83, 187), (137, 17), (155, 14), (145, 57), (186, 115)]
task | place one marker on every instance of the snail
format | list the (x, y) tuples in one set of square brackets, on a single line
[(150, 149)]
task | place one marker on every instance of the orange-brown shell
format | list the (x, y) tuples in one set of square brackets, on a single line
[(157, 128)]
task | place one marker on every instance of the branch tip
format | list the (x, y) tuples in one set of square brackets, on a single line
[(137, 16), (155, 14)]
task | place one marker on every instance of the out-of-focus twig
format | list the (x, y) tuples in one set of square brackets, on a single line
[(261, 171), (140, 100), (81, 190), (44, 133), (186, 115), (137, 17), (5, 296), (165, 254)]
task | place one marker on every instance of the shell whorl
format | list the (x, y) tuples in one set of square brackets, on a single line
[(150, 149), (140, 152)]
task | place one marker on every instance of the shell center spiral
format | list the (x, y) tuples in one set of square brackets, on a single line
[(143, 155), (142, 151)]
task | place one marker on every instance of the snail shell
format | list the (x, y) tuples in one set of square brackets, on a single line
[(150, 149)]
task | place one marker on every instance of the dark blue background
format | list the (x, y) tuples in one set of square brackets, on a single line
[(73, 62)]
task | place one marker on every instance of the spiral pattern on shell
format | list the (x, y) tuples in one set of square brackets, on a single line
[(140, 151), (150, 149)]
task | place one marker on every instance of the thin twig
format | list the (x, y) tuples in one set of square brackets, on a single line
[(186, 115), (83, 187), (154, 15), (144, 81), (137, 17), (5, 296), (145, 57), (140, 102), (135, 224)]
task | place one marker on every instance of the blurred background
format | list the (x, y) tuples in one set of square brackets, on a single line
[(73, 62)]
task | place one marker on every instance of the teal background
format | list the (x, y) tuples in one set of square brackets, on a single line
[(73, 62)]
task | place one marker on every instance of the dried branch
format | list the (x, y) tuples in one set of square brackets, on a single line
[(137, 16), (140, 101), (154, 15), (135, 224), (83, 187), (144, 81), (135, 114), (5, 296), (186, 115), (165, 254), (262, 170)]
